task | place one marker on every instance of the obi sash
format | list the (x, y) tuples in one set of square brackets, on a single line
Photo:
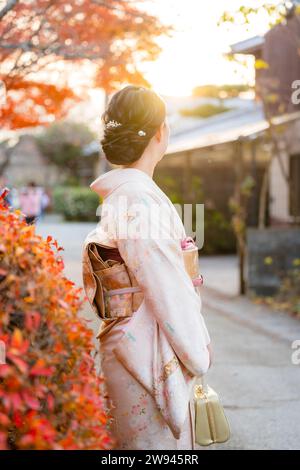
[(111, 287)]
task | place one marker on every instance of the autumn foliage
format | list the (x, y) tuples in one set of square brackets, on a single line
[(49, 389), (43, 42)]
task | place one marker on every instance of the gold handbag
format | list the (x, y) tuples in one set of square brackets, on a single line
[(211, 425)]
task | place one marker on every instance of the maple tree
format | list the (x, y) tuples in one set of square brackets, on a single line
[(50, 393), (113, 36)]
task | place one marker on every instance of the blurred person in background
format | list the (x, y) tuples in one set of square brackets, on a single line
[(5, 190), (45, 202), (30, 200)]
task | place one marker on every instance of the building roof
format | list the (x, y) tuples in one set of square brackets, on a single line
[(248, 46), (240, 125), (225, 128)]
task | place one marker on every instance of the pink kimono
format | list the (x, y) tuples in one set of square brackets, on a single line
[(150, 360)]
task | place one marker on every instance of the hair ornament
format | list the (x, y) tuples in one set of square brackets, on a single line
[(113, 124), (141, 133)]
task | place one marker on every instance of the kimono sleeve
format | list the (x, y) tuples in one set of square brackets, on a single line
[(158, 265)]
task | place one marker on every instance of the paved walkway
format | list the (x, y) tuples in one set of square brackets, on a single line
[(70, 236), (221, 273), (252, 370)]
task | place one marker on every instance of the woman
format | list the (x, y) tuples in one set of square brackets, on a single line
[(30, 202), (149, 360)]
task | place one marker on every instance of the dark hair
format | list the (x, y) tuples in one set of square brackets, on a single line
[(136, 109)]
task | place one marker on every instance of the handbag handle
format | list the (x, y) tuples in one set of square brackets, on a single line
[(201, 381)]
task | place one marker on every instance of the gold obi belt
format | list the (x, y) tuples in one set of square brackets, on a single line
[(117, 293)]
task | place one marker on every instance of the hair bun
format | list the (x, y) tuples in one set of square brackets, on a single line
[(130, 121)]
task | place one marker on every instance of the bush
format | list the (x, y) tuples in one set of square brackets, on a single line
[(217, 91), (204, 110), (63, 143), (50, 391), (219, 236), (288, 296), (76, 203), (289, 292)]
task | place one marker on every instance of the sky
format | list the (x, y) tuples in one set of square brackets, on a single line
[(195, 54)]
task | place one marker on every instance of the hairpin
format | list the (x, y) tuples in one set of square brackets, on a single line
[(141, 133), (113, 124)]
